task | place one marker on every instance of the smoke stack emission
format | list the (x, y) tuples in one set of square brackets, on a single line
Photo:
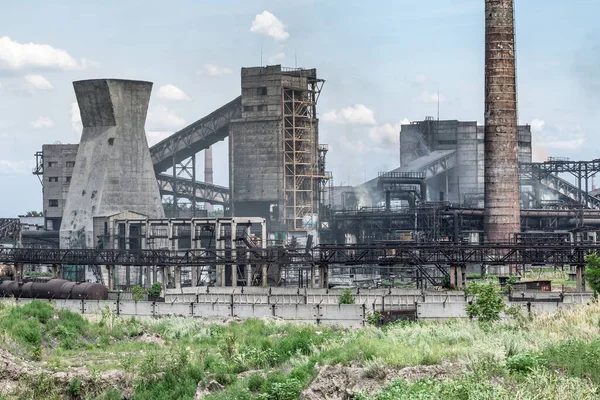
[(502, 207)]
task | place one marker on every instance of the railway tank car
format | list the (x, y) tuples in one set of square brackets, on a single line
[(53, 289)]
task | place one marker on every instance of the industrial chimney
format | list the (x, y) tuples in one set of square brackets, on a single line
[(502, 207)]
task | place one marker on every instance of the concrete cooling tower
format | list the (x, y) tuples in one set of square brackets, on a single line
[(113, 171)]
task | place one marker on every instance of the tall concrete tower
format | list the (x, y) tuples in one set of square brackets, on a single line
[(113, 171), (501, 176)]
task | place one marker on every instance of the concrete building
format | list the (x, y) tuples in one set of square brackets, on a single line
[(425, 142), (54, 167), (276, 164), (113, 171)]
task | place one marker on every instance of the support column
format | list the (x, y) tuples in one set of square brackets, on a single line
[(263, 244), (154, 274), (323, 276), (463, 276), (452, 276), (312, 276), (580, 278), (148, 276), (178, 277), (194, 276), (111, 277), (234, 263)]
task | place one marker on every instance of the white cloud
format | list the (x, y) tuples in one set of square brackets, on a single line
[(14, 55), (427, 97), (171, 92), (37, 82), (277, 58), (9, 167), (537, 125), (386, 134), (1, 85), (215, 70), (268, 24), (76, 118), (355, 115), (160, 118), (42, 122), (156, 136), (420, 78)]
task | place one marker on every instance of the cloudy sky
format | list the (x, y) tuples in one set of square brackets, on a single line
[(384, 62)]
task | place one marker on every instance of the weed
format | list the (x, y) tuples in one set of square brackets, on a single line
[(522, 363), (346, 297), (74, 387), (374, 318)]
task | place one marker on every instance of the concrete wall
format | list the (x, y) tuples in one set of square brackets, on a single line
[(426, 306), (59, 160)]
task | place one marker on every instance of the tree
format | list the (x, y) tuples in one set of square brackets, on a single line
[(592, 272), (488, 302), (34, 214), (346, 297)]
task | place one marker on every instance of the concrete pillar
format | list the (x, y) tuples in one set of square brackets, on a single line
[(312, 276), (178, 277), (194, 276), (128, 276), (111, 277), (163, 277), (263, 243), (323, 276), (463, 276), (453, 276), (148, 276), (580, 278)]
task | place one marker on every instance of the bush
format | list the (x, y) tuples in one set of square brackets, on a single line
[(592, 272), (374, 318), (522, 363), (346, 297), (488, 303), (138, 293), (155, 289), (255, 381)]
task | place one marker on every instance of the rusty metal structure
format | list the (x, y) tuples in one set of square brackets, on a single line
[(501, 152)]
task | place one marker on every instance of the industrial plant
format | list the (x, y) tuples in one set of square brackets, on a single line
[(465, 198)]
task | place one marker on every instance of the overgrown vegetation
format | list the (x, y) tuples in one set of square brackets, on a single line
[(592, 272), (488, 302), (346, 297), (545, 356)]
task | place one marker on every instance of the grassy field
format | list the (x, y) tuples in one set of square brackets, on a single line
[(543, 357)]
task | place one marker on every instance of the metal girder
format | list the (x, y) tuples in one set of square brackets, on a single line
[(9, 229), (186, 188), (196, 137)]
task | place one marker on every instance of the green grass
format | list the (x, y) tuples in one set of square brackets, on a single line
[(553, 355)]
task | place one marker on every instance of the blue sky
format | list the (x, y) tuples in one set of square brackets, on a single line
[(383, 61)]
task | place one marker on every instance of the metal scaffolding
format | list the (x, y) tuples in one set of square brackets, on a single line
[(302, 155)]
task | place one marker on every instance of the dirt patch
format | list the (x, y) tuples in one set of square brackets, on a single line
[(146, 338), (16, 377), (340, 383)]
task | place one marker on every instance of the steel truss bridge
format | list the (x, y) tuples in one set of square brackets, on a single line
[(430, 260)]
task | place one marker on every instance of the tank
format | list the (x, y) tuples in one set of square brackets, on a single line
[(54, 289)]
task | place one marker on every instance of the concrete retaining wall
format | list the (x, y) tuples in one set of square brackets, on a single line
[(318, 307)]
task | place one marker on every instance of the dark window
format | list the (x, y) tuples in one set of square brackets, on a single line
[(53, 179), (446, 142), (260, 108), (53, 203), (53, 163), (68, 179), (248, 108), (70, 164), (262, 91)]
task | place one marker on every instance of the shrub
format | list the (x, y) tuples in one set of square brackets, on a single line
[(346, 297), (155, 289), (374, 318), (522, 363), (592, 272), (255, 381), (487, 305), (138, 293)]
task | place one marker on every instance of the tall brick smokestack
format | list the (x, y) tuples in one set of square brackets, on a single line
[(502, 207)]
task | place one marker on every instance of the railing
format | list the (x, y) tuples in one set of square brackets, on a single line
[(402, 175)]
